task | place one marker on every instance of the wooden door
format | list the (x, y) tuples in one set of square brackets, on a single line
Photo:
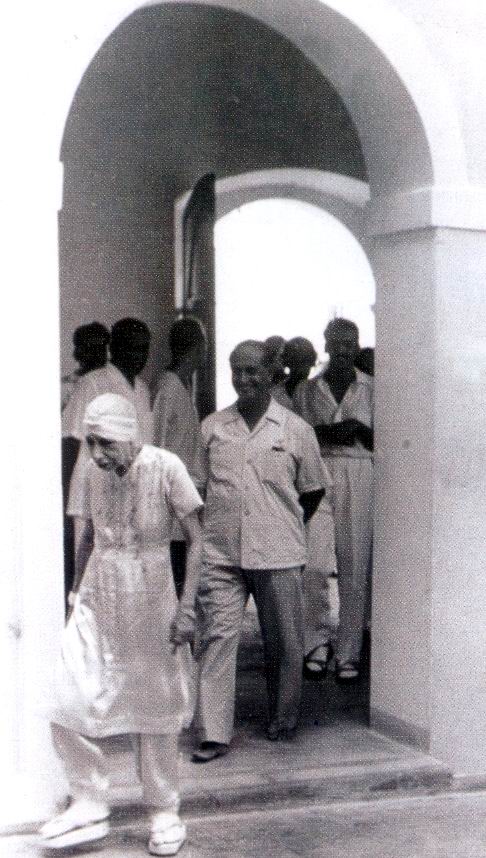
[(198, 281)]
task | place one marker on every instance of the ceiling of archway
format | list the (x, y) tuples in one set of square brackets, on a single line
[(179, 90)]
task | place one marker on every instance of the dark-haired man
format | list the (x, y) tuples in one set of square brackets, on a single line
[(338, 403), (129, 349), (298, 358), (90, 352), (176, 422), (264, 480)]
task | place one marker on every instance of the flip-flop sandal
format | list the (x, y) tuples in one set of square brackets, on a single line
[(347, 672), (168, 841), (315, 668)]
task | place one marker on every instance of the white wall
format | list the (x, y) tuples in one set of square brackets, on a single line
[(405, 150)]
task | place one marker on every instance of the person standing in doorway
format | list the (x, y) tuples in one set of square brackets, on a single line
[(176, 422), (274, 347), (90, 352), (265, 479), (129, 349), (125, 648), (298, 358), (338, 403)]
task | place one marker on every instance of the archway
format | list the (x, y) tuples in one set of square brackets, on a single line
[(285, 267), (414, 153), (411, 143)]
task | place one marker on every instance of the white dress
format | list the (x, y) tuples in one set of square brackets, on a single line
[(118, 673)]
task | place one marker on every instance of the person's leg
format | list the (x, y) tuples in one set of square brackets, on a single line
[(221, 603), (321, 563), (353, 487), (86, 818), (279, 600), (159, 772)]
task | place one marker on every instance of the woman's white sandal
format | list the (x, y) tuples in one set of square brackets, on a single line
[(168, 839), (80, 823)]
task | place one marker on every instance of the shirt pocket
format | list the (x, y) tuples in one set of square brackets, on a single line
[(276, 466)]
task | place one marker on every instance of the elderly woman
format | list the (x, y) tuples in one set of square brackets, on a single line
[(124, 651)]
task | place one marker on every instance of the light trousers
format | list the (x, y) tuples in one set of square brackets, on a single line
[(223, 594), (321, 564), (353, 520), (86, 766)]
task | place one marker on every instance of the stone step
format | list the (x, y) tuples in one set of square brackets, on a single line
[(212, 791)]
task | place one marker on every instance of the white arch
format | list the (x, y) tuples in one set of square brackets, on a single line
[(395, 91), (343, 197)]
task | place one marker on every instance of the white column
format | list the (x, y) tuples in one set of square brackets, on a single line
[(429, 592), (31, 580)]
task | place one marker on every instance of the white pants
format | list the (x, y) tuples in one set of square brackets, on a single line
[(321, 563), (353, 520), (87, 771)]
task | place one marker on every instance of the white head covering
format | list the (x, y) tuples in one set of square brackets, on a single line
[(112, 417)]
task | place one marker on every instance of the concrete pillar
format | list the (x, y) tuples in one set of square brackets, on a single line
[(31, 579), (429, 591)]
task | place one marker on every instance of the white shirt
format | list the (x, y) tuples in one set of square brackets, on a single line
[(176, 424), (253, 518), (314, 401), (107, 379)]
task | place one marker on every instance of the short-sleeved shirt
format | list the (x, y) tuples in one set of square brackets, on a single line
[(253, 518), (107, 379), (137, 509), (314, 401), (176, 424)]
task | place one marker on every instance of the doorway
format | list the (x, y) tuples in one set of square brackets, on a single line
[(286, 267)]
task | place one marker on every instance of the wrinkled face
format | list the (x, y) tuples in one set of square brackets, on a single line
[(342, 346), (251, 379), (110, 455)]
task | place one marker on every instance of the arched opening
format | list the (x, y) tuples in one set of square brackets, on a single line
[(409, 133), (286, 267), (145, 125)]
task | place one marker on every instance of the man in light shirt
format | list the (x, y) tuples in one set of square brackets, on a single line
[(129, 349), (176, 422), (338, 403), (90, 352), (265, 479)]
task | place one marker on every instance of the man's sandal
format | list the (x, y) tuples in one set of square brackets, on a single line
[(208, 751), (316, 663), (347, 672)]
